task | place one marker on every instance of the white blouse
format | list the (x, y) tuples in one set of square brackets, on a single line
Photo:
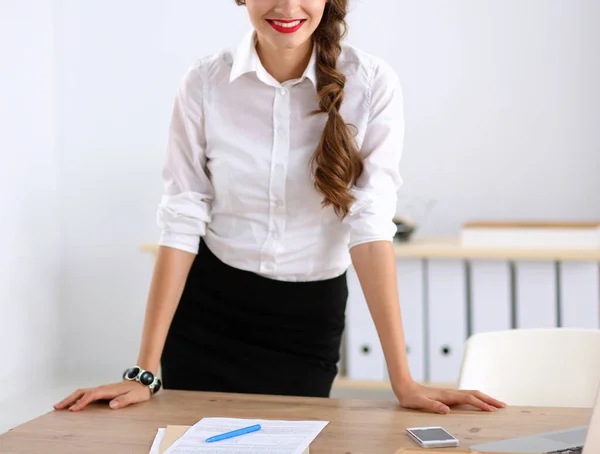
[(237, 170)]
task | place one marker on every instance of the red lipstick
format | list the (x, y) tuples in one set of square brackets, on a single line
[(285, 25)]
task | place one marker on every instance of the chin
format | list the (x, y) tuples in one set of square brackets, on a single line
[(287, 42)]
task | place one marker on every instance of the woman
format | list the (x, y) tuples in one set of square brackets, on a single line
[(281, 170)]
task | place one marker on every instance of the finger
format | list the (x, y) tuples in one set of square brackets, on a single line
[(95, 394), (471, 399), (462, 397), (70, 399), (430, 405), (490, 400), (85, 399), (123, 400)]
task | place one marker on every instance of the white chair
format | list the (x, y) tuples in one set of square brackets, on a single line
[(557, 367)]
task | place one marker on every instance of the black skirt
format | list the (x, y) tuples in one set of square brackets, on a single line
[(236, 331)]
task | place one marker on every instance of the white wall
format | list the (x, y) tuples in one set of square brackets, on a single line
[(29, 220), (501, 99), (502, 103), (119, 65)]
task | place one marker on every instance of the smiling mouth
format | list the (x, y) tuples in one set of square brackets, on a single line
[(286, 26)]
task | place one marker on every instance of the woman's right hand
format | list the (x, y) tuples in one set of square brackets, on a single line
[(120, 395)]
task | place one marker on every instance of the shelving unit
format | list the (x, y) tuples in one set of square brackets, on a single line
[(375, 385)]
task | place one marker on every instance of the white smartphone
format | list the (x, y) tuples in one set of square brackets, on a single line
[(432, 437)]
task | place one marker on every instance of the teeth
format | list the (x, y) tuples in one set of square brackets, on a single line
[(287, 24)]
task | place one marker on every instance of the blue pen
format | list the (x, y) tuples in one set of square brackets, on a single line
[(234, 433)]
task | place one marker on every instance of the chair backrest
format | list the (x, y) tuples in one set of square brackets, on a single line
[(534, 367), (592, 442)]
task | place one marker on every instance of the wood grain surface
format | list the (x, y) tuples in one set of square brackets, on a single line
[(355, 426)]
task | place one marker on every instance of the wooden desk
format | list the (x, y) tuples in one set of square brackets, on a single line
[(355, 426)]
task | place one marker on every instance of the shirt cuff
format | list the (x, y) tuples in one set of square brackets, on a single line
[(182, 219), (384, 234), (371, 217), (184, 242)]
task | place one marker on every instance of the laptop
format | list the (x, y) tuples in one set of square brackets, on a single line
[(580, 440)]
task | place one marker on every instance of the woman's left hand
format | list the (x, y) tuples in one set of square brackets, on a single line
[(437, 400)]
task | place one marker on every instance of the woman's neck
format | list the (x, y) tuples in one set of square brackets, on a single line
[(284, 64)]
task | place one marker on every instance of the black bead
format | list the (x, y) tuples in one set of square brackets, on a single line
[(157, 387), (147, 378), (133, 373)]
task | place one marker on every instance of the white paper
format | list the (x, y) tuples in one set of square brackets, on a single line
[(155, 449), (274, 437)]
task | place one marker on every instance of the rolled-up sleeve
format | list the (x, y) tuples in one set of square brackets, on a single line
[(185, 206), (371, 215)]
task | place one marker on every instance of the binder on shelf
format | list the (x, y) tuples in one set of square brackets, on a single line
[(491, 300), (447, 317), (364, 355), (410, 288), (535, 293), (579, 294)]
